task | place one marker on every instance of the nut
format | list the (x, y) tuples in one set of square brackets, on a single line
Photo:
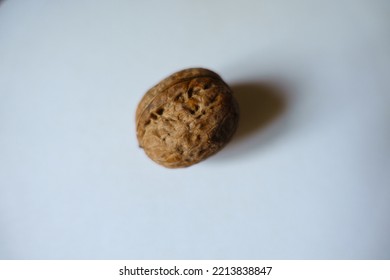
[(186, 118)]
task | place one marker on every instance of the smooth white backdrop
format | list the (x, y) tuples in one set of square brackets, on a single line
[(313, 182)]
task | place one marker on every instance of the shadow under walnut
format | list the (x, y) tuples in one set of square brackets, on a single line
[(261, 105)]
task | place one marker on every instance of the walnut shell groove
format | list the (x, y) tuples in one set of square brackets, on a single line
[(186, 118)]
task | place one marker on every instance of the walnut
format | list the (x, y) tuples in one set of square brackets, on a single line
[(186, 118)]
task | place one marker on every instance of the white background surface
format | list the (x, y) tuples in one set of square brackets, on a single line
[(313, 182)]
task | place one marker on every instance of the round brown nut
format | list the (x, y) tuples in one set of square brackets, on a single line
[(186, 118)]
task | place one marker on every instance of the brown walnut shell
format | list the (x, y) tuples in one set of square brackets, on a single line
[(186, 118)]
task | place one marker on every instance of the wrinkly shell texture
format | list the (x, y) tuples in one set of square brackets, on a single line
[(186, 118)]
